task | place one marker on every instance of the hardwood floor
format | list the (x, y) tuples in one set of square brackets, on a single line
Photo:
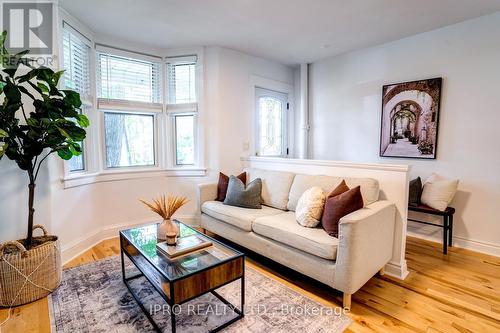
[(459, 292)]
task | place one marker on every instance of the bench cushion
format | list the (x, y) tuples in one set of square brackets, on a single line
[(236, 216), (284, 229)]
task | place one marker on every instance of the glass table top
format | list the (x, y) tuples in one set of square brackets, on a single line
[(144, 240)]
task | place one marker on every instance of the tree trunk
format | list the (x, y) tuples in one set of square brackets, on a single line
[(31, 213)]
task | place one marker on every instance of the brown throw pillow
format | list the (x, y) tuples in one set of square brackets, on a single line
[(336, 207), (223, 183), (341, 188)]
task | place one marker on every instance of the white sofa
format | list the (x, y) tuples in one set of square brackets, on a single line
[(363, 248)]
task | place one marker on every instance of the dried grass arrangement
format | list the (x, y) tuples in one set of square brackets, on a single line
[(166, 206)]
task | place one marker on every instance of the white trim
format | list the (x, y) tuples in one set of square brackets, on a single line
[(340, 164), (397, 271), (120, 52), (120, 174), (75, 248), (126, 105), (462, 242)]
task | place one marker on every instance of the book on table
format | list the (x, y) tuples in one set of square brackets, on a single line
[(184, 245)]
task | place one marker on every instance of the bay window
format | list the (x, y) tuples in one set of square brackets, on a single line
[(144, 116)]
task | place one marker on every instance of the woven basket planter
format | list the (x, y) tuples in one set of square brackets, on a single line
[(28, 275)]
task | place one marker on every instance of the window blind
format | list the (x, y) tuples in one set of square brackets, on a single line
[(181, 80), (76, 62), (122, 78)]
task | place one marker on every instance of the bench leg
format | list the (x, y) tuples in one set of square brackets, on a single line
[(445, 234), (450, 231), (346, 301)]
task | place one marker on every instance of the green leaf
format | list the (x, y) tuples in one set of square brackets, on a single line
[(82, 120), (3, 37), (32, 122), (57, 77), (3, 134), (65, 153), (63, 132), (75, 149), (73, 98), (3, 149), (43, 87)]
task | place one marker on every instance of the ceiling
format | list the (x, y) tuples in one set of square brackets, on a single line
[(288, 31)]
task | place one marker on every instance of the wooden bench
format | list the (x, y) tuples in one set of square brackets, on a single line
[(447, 225)]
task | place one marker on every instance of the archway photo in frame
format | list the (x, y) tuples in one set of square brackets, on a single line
[(410, 118)]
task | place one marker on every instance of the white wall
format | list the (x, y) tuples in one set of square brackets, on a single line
[(345, 106), (80, 215)]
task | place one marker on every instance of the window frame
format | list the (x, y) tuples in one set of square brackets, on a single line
[(173, 117), (90, 161)]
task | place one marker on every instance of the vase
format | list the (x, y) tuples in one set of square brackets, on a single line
[(168, 230)]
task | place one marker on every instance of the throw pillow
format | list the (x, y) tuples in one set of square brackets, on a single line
[(341, 188), (223, 183), (338, 206), (415, 192), (238, 195), (310, 207), (439, 191)]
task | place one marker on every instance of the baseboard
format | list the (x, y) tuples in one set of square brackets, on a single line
[(84, 243), (464, 243), (397, 270)]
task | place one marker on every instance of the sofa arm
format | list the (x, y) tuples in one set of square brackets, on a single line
[(365, 245), (206, 192)]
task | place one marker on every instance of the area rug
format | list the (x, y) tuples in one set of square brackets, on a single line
[(93, 298)]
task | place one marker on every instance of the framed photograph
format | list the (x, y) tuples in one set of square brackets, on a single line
[(410, 119)]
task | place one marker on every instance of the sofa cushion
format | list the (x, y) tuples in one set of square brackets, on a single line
[(241, 196), (310, 207), (275, 186), (284, 229), (224, 183), (236, 216), (301, 182)]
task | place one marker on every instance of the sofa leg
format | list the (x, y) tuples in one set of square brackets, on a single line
[(382, 271), (204, 231), (347, 301)]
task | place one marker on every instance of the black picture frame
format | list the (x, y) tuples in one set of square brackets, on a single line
[(409, 121)]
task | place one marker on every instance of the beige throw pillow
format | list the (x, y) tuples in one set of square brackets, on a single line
[(438, 191), (310, 207)]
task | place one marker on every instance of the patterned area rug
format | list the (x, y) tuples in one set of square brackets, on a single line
[(93, 298)]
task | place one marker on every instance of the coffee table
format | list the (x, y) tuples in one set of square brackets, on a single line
[(184, 278)]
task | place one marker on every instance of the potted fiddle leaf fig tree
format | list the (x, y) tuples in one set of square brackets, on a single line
[(37, 119)]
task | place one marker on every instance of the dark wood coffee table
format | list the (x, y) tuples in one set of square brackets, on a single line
[(184, 278)]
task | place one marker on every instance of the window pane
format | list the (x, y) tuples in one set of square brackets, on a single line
[(129, 139), (76, 163), (128, 79), (270, 126), (184, 139), (181, 83), (76, 63)]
